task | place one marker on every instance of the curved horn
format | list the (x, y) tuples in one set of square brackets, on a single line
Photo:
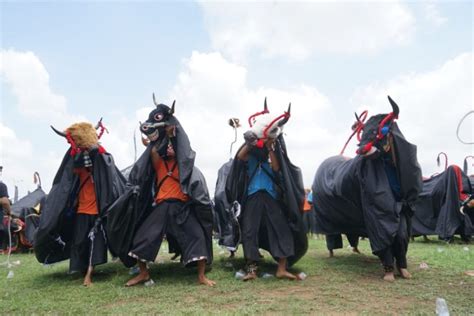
[(37, 179), (98, 123), (154, 100), (171, 111), (58, 132), (396, 109), (265, 107), (465, 166), (445, 160), (287, 116)]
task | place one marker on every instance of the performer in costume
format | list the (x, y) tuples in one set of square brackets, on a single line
[(270, 190), (374, 193), (72, 220), (166, 195)]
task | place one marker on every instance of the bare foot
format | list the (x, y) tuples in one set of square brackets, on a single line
[(205, 281), (250, 276), (355, 250), (140, 278), (404, 273), (285, 275), (331, 253), (87, 282), (389, 276), (88, 276)]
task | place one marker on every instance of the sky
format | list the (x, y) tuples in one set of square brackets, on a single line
[(64, 62)]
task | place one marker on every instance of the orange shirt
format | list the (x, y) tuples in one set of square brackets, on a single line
[(87, 198), (170, 188), (306, 206)]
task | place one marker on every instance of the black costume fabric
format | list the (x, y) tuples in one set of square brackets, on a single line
[(292, 195), (264, 225), (31, 217), (167, 219), (30, 200), (87, 249), (225, 220), (132, 208), (54, 237), (334, 241), (438, 207), (353, 196)]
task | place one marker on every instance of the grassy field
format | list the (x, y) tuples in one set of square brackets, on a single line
[(346, 284)]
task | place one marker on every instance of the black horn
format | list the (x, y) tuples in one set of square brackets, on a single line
[(98, 123), (265, 107), (154, 100), (287, 116), (395, 108), (58, 132), (171, 111), (357, 117)]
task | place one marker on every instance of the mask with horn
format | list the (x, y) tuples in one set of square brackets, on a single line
[(376, 135), (264, 126), (154, 127), (83, 139)]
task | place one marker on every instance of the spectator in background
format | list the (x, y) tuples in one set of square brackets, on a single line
[(5, 210)]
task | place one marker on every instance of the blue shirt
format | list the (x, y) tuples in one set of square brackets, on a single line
[(260, 180), (392, 175)]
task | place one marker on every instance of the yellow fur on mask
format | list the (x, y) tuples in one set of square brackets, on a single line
[(84, 134)]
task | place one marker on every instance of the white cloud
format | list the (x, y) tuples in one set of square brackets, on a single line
[(29, 82), (431, 105), (432, 14), (300, 29), (20, 162)]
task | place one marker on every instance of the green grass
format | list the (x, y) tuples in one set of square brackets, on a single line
[(346, 284)]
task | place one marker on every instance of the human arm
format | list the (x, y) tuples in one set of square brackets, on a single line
[(243, 153), (4, 201), (250, 142)]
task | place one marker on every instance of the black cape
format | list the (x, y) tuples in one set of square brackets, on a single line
[(52, 241), (353, 196), (226, 214), (127, 213), (30, 200), (292, 200), (438, 207)]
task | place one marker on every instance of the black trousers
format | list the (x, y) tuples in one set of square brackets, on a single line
[(89, 247), (397, 251), (334, 241), (177, 221), (265, 226)]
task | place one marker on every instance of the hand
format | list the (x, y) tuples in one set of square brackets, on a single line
[(270, 144), (250, 138)]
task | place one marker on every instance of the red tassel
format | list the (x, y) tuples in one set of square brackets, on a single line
[(365, 149), (260, 143), (102, 150)]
